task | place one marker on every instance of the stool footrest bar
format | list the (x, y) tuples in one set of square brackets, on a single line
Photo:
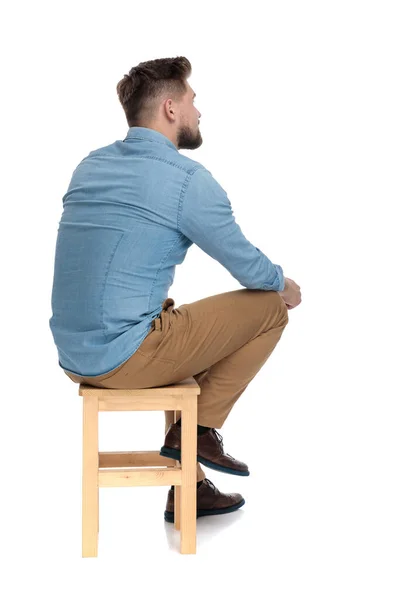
[(140, 476)]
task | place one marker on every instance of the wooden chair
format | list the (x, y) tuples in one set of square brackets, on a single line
[(140, 467)]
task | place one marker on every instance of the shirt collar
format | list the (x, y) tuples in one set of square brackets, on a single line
[(151, 135)]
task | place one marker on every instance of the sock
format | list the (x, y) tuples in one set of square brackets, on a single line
[(200, 428), (198, 485)]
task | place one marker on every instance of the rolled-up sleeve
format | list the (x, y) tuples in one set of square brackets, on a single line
[(206, 218)]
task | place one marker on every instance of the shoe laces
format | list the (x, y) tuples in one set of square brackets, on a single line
[(219, 438), (210, 483)]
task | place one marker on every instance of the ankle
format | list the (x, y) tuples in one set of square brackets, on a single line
[(200, 428)]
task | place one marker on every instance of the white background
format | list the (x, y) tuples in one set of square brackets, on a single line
[(300, 122)]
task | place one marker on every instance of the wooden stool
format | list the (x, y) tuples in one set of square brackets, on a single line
[(98, 469)]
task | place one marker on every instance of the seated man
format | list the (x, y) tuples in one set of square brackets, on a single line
[(131, 211)]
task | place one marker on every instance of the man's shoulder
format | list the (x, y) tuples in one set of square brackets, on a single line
[(188, 164), (174, 159)]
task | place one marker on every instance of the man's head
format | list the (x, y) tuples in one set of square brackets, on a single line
[(156, 94)]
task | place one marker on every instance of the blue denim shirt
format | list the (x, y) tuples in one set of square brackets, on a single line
[(130, 213)]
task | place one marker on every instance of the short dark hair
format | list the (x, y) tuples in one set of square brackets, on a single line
[(145, 84)]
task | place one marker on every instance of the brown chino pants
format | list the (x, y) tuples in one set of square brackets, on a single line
[(222, 341)]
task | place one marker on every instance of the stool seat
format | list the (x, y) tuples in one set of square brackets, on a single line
[(140, 468)]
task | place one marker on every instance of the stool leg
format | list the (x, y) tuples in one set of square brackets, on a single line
[(172, 416), (188, 506), (177, 504), (177, 498), (90, 484)]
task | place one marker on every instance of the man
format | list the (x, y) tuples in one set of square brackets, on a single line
[(131, 211)]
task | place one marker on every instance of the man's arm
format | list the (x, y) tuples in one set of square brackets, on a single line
[(205, 217)]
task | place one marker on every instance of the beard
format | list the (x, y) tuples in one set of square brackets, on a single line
[(189, 139)]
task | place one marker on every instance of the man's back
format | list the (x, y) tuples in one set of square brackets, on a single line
[(131, 211)]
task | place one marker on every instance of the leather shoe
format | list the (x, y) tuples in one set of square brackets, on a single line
[(210, 451), (210, 501)]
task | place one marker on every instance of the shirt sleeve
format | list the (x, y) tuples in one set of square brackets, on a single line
[(206, 218)]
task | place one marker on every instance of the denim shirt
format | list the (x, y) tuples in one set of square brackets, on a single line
[(130, 213)]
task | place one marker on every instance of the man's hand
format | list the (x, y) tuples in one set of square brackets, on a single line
[(291, 294)]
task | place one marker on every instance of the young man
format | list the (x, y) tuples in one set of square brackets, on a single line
[(131, 211)]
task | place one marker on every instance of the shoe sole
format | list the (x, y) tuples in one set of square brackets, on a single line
[(169, 515), (176, 454)]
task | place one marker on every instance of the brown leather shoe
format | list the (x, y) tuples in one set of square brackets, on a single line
[(210, 451), (210, 501)]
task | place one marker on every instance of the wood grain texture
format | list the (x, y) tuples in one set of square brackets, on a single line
[(188, 385), (140, 467)]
